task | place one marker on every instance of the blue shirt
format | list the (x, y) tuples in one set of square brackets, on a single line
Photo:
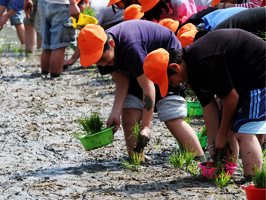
[(134, 40), (17, 5), (212, 19)]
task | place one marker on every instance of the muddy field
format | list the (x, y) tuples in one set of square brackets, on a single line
[(40, 158)]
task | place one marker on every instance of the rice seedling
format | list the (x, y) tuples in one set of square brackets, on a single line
[(16, 49), (177, 159), (134, 163), (135, 130), (89, 11), (222, 180), (89, 125), (259, 179)]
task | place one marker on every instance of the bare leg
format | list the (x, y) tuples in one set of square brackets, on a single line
[(45, 60), (57, 60), (261, 138), (234, 144), (250, 151), (129, 119), (30, 37), (185, 135), (21, 32), (39, 43)]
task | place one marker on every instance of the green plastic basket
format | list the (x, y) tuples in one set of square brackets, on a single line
[(203, 141), (97, 140), (196, 106)]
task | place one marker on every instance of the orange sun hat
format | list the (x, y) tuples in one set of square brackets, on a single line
[(170, 23), (155, 68), (91, 40), (112, 2), (186, 34), (146, 5), (133, 12)]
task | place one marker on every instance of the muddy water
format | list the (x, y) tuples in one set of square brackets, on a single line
[(40, 158)]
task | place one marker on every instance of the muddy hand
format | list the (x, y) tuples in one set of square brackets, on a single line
[(220, 154), (142, 141)]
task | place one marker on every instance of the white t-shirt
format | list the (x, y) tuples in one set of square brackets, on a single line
[(104, 14)]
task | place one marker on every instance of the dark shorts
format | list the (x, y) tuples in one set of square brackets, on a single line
[(250, 115)]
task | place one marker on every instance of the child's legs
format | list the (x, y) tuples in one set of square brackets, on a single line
[(45, 60), (30, 37), (131, 114), (171, 110), (250, 152), (235, 147), (57, 60), (185, 135)]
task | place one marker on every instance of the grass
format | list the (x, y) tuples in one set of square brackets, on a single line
[(89, 125), (204, 131), (189, 117)]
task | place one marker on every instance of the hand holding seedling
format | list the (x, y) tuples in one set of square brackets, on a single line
[(219, 156), (143, 139)]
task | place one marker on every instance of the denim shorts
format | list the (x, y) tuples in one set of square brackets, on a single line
[(56, 25), (34, 19), (17, 18), (168, 108), (250, 116)]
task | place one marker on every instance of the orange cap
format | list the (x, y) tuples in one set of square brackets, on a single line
[(91, 40), (133, 12), (186, 34), (112, 2), (155, 68), (214, 2), (77, 1), (170, 23), (146, 5)]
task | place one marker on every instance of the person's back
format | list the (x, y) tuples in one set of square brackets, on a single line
[(105, 15)]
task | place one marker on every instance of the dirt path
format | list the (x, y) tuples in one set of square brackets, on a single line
[(40, 159)]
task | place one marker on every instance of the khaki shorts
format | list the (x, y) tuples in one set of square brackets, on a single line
[(168, 108)]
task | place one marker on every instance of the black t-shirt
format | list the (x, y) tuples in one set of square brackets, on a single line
[(251, 20), (225, 59)]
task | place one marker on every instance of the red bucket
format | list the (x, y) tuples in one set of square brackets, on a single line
[(209, 171), (254, 193)]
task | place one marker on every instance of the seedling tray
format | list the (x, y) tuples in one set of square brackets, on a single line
[(210, 171), (195, 106), (203, 141), (97, 140)]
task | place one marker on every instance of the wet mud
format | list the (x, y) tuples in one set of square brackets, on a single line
[(40, 158)]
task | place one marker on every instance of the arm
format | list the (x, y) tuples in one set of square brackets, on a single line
[(73, 58), (211, 119), (148, 107), (28, 7), (2, 9), (229, 108), (122, 84), (74, 9), (5, 17)]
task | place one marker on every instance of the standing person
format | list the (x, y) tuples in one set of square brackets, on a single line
[(215, 64), (57, 33), (157, 10), (32, 25), (120, 52), (106, 18), (13, 8)]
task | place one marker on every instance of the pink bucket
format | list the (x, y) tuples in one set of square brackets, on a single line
[(208, 171)]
